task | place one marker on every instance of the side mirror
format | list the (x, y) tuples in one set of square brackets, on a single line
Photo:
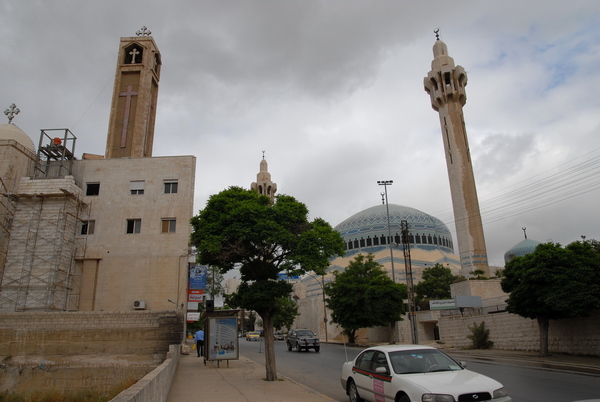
[(381, 370), (463, 364)]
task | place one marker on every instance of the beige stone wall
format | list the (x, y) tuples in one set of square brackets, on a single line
[(83, 350), (512, 332), (119, 268), (489, 290)]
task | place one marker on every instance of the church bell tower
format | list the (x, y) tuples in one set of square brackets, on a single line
[(133, 110), (445, 84)]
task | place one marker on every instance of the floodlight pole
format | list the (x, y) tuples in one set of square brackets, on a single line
[(386, 183), (324, 305)]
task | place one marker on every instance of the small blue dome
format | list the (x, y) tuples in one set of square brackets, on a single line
[(367, 231), (524, 247)]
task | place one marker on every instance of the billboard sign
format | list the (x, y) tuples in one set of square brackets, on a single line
[(198, 277), (442, 304), (195, 295), (222, 339)]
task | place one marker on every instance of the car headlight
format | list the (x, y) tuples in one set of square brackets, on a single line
[(437, 398), (500, 392)]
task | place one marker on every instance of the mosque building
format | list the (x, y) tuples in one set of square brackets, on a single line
[(378, 230), (104, 232)]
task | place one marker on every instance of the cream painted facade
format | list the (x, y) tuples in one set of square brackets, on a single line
[(149, 266)]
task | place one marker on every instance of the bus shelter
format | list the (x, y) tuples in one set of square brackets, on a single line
[(221, 340)]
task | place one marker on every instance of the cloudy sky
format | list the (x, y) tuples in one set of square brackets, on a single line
[(332, 91)]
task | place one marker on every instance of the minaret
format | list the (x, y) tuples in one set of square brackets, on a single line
[(445, 84), (263, 184), (133, 110)]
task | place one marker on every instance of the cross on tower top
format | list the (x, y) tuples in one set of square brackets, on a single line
[(11, 112), (143, 32)]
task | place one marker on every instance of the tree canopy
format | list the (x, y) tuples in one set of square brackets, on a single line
[(435, 283), (553, 283), (364, 296), (287, 311), (242, 229)]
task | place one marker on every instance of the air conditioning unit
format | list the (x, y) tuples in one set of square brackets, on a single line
[(139, 304)]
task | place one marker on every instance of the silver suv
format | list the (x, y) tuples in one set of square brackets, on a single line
[(302, 339)]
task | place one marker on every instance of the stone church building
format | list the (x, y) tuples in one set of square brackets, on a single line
[(101, 232)]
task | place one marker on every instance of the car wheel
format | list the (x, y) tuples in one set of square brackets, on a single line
[(353, 393), (289, 347), (404, 398), (317, 349)]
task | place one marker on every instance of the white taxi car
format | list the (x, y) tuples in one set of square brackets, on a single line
[(415, 373)]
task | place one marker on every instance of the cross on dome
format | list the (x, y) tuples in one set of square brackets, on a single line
[(11, 112)]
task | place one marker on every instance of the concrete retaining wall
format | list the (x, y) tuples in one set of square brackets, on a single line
[(155, 386), (83, 350), (512, 332)]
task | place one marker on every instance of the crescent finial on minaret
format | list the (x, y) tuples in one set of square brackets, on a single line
[(437, 33)]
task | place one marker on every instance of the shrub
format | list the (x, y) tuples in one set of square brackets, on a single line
[(480, 336)]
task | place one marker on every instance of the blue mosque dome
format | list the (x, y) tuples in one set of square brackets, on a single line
[(524, 247), (367, 231)]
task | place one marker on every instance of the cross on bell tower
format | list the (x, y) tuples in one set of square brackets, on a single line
[(135, 93), (445, 84)]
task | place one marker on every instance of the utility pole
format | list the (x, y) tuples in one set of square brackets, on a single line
[(409, 282), (386, 183)]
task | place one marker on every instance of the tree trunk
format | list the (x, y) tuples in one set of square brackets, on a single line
[(392, 331), (270, 365), (543, 324)]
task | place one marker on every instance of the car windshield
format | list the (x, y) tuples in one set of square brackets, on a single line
[(305, 332), (422, 361)]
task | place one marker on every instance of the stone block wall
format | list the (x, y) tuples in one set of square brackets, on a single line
[(83, 350), (512, 332)]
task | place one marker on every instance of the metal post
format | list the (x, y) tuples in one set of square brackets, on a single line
[(409, 282), (386, 183), (324, 305)]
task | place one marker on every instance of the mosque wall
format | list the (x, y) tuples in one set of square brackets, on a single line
[(577, 336)]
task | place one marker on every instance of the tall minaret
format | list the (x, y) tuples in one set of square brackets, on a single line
[(445, 83), (133, 110), (263, 184)]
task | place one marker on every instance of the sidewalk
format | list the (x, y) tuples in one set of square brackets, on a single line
[(243, 380)]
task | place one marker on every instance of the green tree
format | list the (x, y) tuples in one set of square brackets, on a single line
[(287, 311), (364, 296), (435, 283), (214, 282), (241, 228), (553, 283), (478, 274)]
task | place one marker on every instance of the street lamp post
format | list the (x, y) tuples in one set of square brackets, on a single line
[(324, 305), (386, 183)]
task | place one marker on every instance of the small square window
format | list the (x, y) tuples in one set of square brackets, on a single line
[(87, 227), (92, 189), (137, 187), (170, 186), (134, 225), (168, 225)]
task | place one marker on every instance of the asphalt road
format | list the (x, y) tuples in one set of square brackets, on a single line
[(321, 372)]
